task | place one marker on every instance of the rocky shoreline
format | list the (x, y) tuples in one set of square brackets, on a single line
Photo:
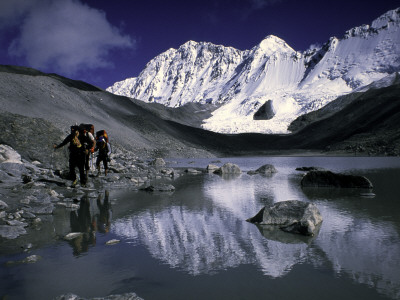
[(30, 192)]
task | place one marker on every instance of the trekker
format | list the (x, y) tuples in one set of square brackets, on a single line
[(77, 152), (91, 144), (104, 152)]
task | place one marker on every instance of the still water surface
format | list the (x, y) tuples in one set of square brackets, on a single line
[(194, 243)]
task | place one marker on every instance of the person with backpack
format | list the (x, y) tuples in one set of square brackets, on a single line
[(104, 148), (77, 151), (88, 131)]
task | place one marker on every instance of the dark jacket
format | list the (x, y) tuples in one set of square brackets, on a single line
[(84, 143)]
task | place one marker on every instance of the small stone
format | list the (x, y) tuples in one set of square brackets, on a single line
[(112, 242), (3, 205), (73, 235)]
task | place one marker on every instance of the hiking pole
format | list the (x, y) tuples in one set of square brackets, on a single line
[(51, 162), (91, 162)]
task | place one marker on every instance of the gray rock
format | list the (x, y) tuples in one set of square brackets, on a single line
[(212, 168), (73, 235), (14, 170), (291, 216), (336, 180), (5, 177), (192, 171), (167, 171), (158, 162), (41, 209), (228, 168), (3, 205), (11, 232), (17, 223), (265, 170)]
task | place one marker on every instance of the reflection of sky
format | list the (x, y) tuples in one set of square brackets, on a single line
[(215, 236)]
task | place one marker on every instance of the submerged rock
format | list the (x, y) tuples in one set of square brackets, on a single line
[(159, 188), (28, 260), (291, 216), (126, 296), (337, 180)]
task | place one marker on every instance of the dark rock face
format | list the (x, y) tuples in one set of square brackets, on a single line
[(292, 216), (336, 180), (265, 112)]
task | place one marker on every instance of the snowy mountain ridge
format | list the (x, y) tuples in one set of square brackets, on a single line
[(271, 74)]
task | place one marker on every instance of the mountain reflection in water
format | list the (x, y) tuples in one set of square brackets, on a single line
[(201, 229)]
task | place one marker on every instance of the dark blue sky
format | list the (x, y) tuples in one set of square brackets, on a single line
[(103, 41)]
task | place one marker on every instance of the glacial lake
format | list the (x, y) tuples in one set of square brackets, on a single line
[(195, 243)]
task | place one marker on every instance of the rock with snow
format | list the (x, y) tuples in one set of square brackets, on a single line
[(292, 216), (265, 112)]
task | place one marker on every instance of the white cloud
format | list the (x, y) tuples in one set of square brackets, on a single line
[(68, 36)]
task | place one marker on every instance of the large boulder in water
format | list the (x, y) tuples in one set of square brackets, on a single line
[(291, 216), (336, 180), (228, 168), (264, 170)]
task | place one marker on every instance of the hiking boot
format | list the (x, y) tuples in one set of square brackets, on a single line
[(75, 182)]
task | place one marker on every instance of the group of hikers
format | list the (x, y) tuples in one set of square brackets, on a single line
[(83, 143)]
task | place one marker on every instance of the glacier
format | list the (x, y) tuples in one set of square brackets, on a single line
[(239, 82)]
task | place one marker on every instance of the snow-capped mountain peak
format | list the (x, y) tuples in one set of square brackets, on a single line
[(272, 44), (290, 82)]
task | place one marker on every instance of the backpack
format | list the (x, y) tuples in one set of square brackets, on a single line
[(88, 127), (102, 133)]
